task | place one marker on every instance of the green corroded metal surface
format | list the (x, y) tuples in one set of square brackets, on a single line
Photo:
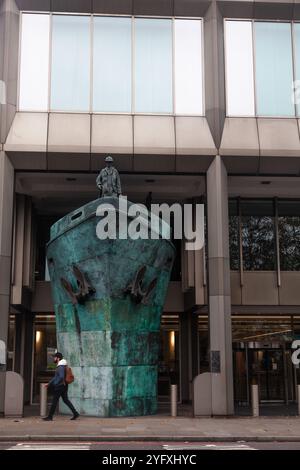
[(110, 340)]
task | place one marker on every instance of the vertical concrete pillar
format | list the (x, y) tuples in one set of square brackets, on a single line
[(194, 345), (219, 289), (184, 357), (27, 364), (215, 101), (6, 219), (18, 343), (9, 47), (9, 44)]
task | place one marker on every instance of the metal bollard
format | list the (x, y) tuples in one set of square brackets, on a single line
[(43, 400), (174, 400), (255, 400)]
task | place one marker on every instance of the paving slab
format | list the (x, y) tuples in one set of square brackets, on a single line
[(152, 428)]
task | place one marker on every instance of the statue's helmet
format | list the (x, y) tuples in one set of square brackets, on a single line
[(109, 159)]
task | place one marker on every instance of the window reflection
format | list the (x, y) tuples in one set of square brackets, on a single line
[(234, 236), (153, 70), (289, 235), (34, 63), (188, 66), (258, 243), (273, 69), (239, 57), (258, 235), (258, 229), (111, 64), (259, 67), (70, 72)]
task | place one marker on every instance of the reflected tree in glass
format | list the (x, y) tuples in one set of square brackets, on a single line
[(289, 242), (234, 242), (258, 243)]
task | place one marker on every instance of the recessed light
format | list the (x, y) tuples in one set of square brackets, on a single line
[(265, 182), (71, 179)]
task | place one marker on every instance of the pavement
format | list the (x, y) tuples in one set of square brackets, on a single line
[(161, 427)]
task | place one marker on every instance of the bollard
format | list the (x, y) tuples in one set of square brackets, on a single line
[(255, 400), (174, 400), (43, 400), (298, 390)]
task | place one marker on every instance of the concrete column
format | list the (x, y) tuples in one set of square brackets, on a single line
[(184, 357), (18, 343), (194, 345), (215, 101), (9, 46), (219, 289), (27, 364), (6, 220)]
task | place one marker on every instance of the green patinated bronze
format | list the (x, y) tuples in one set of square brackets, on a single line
[(108, 332)]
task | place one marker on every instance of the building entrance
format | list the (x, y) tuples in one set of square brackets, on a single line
[(271, 366), (266, 361)]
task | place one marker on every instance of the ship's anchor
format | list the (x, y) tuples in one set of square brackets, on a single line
[(135, 287), (84, 287)]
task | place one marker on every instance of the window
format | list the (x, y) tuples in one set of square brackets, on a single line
[(258, 226), (34, 65), (274, 69), (259, 68), (234, 236), (109, 64), (239, 68), (258, 235), (296, 31), (70, 72), (153, 65), (188, 67), (289, 235), (112, 64)]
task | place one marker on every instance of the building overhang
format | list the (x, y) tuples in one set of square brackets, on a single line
[(139, 143), (124, 7), (261, 146)]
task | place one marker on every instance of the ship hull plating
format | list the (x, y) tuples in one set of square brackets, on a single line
[(108, 298)]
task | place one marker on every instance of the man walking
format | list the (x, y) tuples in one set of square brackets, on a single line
[(59, 387)]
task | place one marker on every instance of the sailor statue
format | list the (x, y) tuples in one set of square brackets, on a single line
[(108, 180)]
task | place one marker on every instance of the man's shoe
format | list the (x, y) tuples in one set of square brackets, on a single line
[(48, 418), (75, 416)]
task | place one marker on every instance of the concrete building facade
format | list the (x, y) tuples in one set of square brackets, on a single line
[(196, 100)]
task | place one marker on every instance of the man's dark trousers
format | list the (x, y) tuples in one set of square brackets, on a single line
[(61, 391)]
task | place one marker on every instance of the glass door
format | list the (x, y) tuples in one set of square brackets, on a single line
[(268, 366), (241, 379)]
